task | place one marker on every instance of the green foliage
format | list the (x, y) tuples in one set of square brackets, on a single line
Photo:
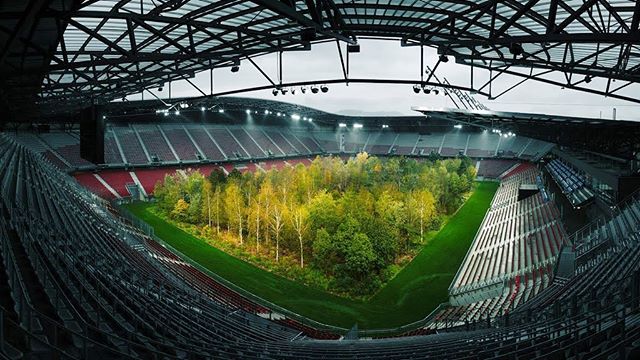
[(410, 292), (349, 220)]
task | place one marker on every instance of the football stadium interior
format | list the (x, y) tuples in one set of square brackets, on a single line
[(531, 245)]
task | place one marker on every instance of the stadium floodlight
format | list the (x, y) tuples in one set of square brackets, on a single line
[(385, 126), (279, 114), (314, 89), (160, 88), (436, 91), (458, 126), (221, 111), (324, 88), (177, 112), (274, 92), (587, 79), (310, 120), (304, 118), (295, 117), (357, 126), (235, 68), (303, 89), (426, 90), (293, 91), (444, 58), (248, 111), (202, 108), (342, 125), (166, 113), (417, 88)]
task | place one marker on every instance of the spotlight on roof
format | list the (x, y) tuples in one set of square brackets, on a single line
[(314, 89), (248, 111), (353, 48), (385, 126), (587, 79), (221, 111), (342, 125), (166, 113), (457, 126), (295, 117), (293, 91), (160, 88), (267, 112), (310, 120), (516, 49), (436, 91), (284, 91), (417, 88), (303, 89), (357, 126), (177, 112), (202, 108), (444, 58), (426, 90), (279, 114), (304, 118), (274, 92), (236, 66), (324, 88)]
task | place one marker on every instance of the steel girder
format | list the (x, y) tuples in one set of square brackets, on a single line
[(116, 47)]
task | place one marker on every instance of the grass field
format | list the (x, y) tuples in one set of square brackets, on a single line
[(410, 296)]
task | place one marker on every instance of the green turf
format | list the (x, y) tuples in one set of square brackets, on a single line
[(410, 296)]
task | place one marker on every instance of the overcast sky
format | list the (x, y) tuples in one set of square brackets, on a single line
[(388, 60)]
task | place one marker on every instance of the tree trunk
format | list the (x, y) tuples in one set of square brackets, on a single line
[(277, 246), (301, 251)]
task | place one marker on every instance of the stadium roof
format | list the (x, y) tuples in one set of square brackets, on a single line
[(95, 51), (616, 138)]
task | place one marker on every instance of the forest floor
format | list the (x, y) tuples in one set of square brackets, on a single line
[(411, 295)]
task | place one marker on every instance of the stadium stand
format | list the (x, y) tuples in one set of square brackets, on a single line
[(227, 143), (513, 254), (131, 147), (105, 292), (180, 141), (572, 183), (155, 143), (205, 142)]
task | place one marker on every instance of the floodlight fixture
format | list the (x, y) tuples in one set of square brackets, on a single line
[(303, 89), (417, 88), (221, 111), (324, 88), (295, 117), (342, 125), (458, 126), (357, 126), (436, 91), (248, 111), (314, 89), (202, 108), (426, 90), (444, 58), (177, 112), (274, 92), (385, 126)]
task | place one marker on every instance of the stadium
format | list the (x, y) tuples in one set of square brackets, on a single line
[(186, 179)]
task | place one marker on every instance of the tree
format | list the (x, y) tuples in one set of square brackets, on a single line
[(180, 210), (360, 256), (422, 206), (277, 223), (234, 205), (299, 220)]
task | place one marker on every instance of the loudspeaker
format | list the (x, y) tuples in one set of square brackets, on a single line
[(92, 135)]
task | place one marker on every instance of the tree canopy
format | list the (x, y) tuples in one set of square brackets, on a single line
[(342, 224)]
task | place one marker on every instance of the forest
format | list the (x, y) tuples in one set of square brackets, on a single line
[(346, 227)]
